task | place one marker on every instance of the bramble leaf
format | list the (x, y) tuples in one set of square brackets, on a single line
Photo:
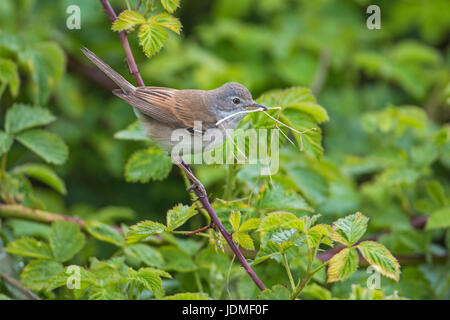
[(343, 264), (380, 258), (178, 216), (127, 20), (30, 247), (66, 240), (143, 231), (150, 163)]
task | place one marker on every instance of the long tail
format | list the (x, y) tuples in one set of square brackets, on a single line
[(116, 77)]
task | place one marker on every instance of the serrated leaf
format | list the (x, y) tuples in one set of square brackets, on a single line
[(188, 296), (150, 279), (380, 258), (178, 216), (65, 240), (44, 174), (45, 144), (9, 76), (277, 198), (439, 219), (170, 5), (21, 117), (151, 257), (167, 21), (107, 291), (72, 276), (127, 20), (104, 232), (143, 231), (30, 247), (277, 292), (5, 142), (244, 240), (38, 274), (343, 264), (250, 224), (151, 163), (152, 38), (276, 220), (350, 229), (235, 220)]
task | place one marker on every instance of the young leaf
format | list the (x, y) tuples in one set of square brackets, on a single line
[(44, 174), (150, 279), (5, 142), (436, 192), (64, 277), (143, 231), (250, 224), (380, 258), (30, 247), (276, 220), (107, 291), (235, 220), (178, 216), (244, 240), (350, 229), (151, 163), (177, 260), (439, 219), (343, 264), (127, 20), (21, 117), (152, 38), (45, 144), (167, 21), (170, 5), (65, 240), (105, 233), (38, 274)]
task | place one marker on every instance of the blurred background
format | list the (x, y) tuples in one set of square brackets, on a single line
[(386, 92)]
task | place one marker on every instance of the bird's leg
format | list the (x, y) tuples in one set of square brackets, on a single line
[(195, 183)]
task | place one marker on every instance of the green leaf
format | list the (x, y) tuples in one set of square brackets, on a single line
[(152, 38), (380, 258), (30, 247), (142, 252), (5, 142), (65, 240), (277, 292), (9, 75), (143, 231), (177, 260), (21, 117), (178, 216), (343, 264), (170, 5), (103, 232), (133, 132), (38, 274), (235, 220), (45, 144), (250, 224), (151, 163), (127, 19), (150, 279), (167, 21), (244, 240), (44, 174), (439, 219), (70, 276), (277, 198), (276, 220), (436, 192), (350, 229), (107, 291), (188, 296)]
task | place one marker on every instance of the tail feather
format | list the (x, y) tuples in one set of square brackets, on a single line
[(113, 75)]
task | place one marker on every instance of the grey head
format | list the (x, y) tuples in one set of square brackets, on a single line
[(230, 98)]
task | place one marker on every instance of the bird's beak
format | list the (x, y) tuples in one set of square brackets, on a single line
[(255, 106)]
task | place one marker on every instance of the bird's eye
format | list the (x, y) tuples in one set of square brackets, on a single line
[(236, 101)]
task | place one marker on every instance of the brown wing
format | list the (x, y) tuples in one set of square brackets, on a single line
[(177, 108)]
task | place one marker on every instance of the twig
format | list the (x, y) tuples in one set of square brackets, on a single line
[(126, 46), (19, 286), (22, 212), (202, 196)]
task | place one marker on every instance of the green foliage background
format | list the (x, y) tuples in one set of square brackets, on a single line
[(386, 144)]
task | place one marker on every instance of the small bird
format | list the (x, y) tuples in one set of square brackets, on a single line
[(163, 110)]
